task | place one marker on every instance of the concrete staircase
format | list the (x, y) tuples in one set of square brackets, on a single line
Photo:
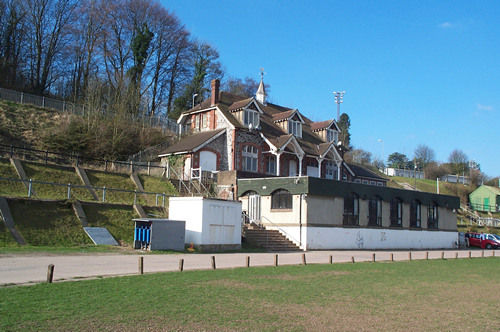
[(272, 240)]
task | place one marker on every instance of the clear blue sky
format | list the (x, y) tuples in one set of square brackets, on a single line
[(415, 72)]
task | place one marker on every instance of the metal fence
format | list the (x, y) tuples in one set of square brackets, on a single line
[(52, 190), (160, 121)]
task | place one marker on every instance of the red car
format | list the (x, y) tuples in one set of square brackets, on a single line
[(482, 240)]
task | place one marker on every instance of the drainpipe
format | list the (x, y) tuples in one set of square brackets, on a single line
[(300, 220)]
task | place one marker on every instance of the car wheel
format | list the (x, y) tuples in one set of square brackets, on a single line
[(488, 246)]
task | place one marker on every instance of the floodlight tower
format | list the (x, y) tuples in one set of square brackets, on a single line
[(339, 99)]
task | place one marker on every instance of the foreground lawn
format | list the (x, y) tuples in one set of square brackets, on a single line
[(417, 295)]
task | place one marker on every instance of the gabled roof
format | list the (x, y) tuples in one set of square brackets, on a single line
[(360, 171), (316, 126), (494, 190), (192, 143)]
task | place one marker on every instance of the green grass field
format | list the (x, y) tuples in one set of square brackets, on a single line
[(48, 223), (112, 180), (116, 218), (10, 188), (57, 174), (418, 296)]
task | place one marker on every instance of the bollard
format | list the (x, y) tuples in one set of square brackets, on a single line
[(427, 255), (392, 257), (493, 253), (373, 257), (456, 255), (442, 254), (331, 259), (248, 261), (352, 259), (141, 265), (276, 260), (50, 273), (304, 259), (482, 253), (470, 254), (212, 259), (409, 255), (181, 264)]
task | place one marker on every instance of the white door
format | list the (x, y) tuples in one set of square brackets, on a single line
[(187, 168), (331, 170), (208, 161), (254, 208), (292, 168)]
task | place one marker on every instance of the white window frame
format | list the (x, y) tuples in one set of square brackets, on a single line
[(330, 170), (295, 128), (250, 156), (271, 165), (331, 135), (251, 117)]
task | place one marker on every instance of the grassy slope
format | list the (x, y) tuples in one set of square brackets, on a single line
[(6, 239), (430, 185), (418, 295), (47, 223), (10, 188), (57, 174), (110, 180), (117, 219), (155, 185)]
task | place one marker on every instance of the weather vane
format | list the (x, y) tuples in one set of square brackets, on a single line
[(262, 73)]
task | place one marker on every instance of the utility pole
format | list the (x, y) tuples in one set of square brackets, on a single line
[(339, 99)]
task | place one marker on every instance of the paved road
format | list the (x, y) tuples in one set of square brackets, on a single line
[(28, 269)]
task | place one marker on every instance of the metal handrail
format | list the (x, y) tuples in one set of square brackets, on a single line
[(280, 229)]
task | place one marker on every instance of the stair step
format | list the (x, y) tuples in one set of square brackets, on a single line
[(270, 239)]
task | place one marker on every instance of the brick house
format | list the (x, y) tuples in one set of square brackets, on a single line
[(254, 138)]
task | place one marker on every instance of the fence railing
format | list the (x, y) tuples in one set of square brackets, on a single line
[(484, 207), (53, 190), (65, 106)]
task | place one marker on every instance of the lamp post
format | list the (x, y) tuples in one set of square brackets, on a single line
[(193, 99), (339, 99), (382, 142)]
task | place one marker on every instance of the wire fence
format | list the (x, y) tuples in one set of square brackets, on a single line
[(158, 121), (52, 190)]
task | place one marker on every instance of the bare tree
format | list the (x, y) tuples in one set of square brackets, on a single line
[(458, 162), (423, 155)]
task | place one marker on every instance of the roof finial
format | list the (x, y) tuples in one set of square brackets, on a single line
[(261, 92)]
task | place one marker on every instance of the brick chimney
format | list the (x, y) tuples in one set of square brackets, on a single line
[(215, 92)]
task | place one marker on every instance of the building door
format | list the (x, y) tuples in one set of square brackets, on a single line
[(486, 204), (292, 168), (254, 208), (187, 168), (208, 161)]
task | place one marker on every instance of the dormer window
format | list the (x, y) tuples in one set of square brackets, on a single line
[(295, 128), (250, 117), (331, 135)]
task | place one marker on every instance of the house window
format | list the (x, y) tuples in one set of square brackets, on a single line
[(295, 128), (251, 117), (375, 212), (197, 122), (281, 199), (432, 216), (250, 158), (331, 135), (271, 165), (204, 120), (351, 210), (416, 214), (396, 212), (330, 170)]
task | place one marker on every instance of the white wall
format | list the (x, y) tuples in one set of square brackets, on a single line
[(208, 221)]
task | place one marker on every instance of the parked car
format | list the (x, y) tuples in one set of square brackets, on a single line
[(482, 240)]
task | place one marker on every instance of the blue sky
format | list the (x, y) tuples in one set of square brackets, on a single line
[(414, 72)]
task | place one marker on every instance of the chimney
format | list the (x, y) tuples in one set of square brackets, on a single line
[(215, 92)]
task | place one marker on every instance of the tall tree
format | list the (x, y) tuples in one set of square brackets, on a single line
[(423, 155), (344, 125), (458, 162), (397, 160)]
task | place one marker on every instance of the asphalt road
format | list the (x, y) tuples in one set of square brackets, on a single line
[(29, 269)]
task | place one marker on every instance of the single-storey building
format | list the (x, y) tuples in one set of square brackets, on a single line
[(329, 214), (485, 199)]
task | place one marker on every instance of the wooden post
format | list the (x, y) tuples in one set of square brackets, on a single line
[(149, 168), (181, 264), (141, 265), (442, 254), (276, 260), (212, 259), (352, 259), (304, 262), (427, 255), (392, 257), (373, 257), (493, 253), (50, 273), (248, 261), (409, 255), (482, 253), (456, 255), (331, 259), (470, 254)]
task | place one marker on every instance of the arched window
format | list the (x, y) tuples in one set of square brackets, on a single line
[(416, 214), (281, 199), (432, 216), (375, 211), (351, 209), (396, 212)]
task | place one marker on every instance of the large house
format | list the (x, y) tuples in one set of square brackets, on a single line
[(260, 139)]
